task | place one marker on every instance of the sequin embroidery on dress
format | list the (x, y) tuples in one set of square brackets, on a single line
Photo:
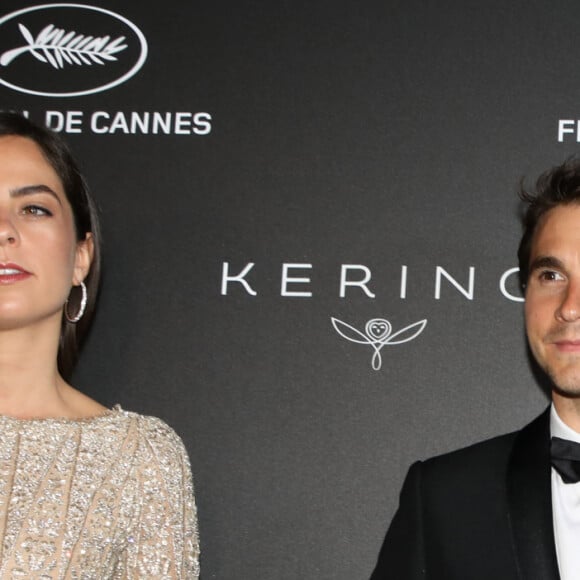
[(108, 497)]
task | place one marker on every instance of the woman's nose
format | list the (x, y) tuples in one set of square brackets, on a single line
[(8, 232)]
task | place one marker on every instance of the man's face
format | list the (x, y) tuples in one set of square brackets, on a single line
[(553, 297)]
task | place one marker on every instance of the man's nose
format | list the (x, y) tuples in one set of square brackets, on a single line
[(569, 309)]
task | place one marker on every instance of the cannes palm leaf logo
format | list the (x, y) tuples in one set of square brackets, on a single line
[(57, 47)]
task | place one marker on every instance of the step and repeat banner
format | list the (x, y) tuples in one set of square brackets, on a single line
[(310, 226)]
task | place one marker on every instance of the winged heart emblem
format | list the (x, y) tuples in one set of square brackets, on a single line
[(378, 333)]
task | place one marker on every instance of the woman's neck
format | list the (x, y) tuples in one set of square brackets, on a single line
[(30, 384)]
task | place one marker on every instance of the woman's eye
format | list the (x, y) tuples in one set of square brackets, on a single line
[(36, 210)]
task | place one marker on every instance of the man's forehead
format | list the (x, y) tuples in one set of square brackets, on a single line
[(560, 219), (558, 230)]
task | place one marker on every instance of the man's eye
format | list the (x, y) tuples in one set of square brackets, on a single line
[(550, 276), (36, 210)]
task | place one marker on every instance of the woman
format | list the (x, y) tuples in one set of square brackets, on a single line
[(85, 492)]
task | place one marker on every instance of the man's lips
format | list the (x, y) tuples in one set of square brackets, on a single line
[(568, 345)]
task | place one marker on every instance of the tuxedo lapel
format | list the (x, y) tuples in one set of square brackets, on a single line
[(530, 502)]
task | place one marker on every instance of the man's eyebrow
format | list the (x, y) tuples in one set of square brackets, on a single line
[(546, 262), (32, 189)]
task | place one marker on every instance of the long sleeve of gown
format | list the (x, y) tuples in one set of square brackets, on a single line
[(164, 542)]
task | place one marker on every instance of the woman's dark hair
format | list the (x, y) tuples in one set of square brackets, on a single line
[(557, 186), (86, 220)]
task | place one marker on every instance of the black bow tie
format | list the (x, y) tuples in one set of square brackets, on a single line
[(566, 459)]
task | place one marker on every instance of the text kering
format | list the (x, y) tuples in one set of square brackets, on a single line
[(295, 279)]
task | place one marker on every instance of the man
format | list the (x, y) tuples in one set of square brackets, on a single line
[(509, 508)]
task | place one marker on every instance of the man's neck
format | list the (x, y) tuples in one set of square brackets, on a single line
[(568, 409)]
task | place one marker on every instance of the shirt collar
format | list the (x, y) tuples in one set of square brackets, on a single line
[(559, 429)]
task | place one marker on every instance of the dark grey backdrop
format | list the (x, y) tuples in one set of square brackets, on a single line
[(383, 134)]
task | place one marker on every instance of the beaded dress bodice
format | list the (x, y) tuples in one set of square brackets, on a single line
[(107, 497)]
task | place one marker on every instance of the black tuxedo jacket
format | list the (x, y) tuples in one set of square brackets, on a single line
[(480, 513)]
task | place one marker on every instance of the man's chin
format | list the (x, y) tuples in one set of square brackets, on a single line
[(567, 394), (568, 387)]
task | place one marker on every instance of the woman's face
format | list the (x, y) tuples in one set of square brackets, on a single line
[(40, 258)]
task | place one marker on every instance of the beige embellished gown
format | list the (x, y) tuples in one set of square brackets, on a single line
[(107, 497)]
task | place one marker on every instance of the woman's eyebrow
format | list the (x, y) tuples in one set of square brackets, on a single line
[(32, 189)]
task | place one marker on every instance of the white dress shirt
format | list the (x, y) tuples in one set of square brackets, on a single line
[(565, 509)]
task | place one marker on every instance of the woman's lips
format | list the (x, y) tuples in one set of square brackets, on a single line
[(11, 273)]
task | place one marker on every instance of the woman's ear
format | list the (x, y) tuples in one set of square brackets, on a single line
[(83, 259)]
